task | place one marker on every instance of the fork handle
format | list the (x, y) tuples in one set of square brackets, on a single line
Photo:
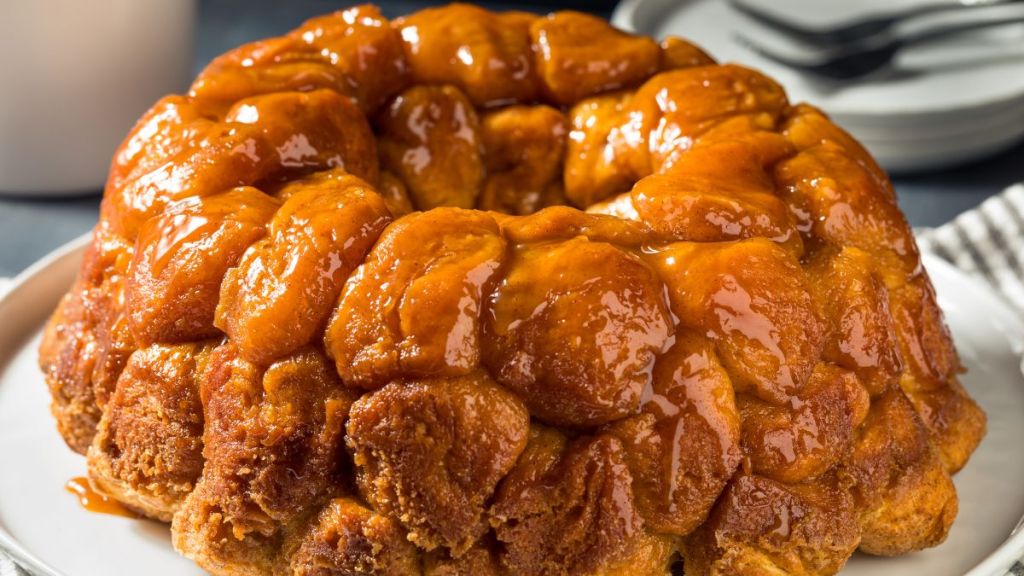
[(959, 28), (862, 29), (926, 9)]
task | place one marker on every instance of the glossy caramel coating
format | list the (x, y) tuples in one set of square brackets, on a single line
[(415, 306), (826, 413), (354, 52), (261, 138), (487, 55), (475, 293), (578, 56), (678, 53), (395, 194), (859, 333), (282, 291), (685, 446), (524, 148), (175, 280), (703, 200), (678, 108), (429, 136), (595, 167), (752, 299), (575, 328)]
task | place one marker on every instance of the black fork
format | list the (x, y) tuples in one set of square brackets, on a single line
[(860, 29), (864, 58)]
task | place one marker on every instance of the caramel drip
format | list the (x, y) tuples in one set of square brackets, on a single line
[(95, 501)]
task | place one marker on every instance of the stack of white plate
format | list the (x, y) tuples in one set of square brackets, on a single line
[(944, 103)]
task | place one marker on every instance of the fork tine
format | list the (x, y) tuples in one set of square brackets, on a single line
[(869, 26), (776, 23), (760, 50), (848, 64)]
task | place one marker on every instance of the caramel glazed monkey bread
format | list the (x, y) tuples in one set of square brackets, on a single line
[(471, 293)]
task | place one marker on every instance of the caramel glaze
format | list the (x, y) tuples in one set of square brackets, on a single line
[(479, 293), (95, 501)]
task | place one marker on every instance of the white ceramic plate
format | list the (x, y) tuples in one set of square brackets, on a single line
[(46, 529)]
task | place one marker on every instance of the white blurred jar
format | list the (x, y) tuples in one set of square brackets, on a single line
[(74, 77)]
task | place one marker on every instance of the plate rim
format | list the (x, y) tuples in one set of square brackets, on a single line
[(19, 284), (1010, 551), (996, 563)]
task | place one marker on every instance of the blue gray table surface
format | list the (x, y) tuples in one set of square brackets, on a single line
[(31, 228)]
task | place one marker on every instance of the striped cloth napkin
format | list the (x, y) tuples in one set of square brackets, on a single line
[(8, 567), (986, 242)]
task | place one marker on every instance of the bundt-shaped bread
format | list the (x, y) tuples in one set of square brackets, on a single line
[(338, 316)]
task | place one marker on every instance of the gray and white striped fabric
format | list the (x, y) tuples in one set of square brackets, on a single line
[(986, 242), (8, 567)]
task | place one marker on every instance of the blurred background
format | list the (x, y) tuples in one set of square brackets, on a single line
[(946, 116)]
